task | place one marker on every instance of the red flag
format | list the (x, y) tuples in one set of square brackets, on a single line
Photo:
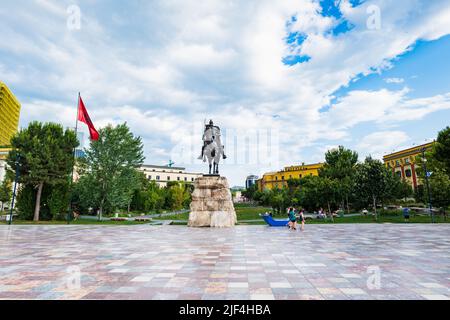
[(83, 116)]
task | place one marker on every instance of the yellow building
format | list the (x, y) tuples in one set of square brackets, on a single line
[(402, 163), (279, 179), (9, 115)]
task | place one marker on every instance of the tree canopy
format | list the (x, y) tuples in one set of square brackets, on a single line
[(108, 171), (44, 152)]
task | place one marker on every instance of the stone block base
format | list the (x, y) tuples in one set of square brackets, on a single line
[(212, 204)]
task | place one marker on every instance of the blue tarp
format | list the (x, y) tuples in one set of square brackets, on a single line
[(274, 223)]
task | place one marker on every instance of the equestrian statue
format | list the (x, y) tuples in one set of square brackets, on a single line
[(212, 147)]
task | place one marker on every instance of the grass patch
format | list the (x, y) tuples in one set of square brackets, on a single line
[(181, 216), (77, 222)]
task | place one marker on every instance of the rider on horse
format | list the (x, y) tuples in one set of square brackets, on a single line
[(207, 141)]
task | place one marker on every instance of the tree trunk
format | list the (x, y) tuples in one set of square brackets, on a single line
[(128, 209), (37, 206), (329, 211), (375, 207), (100, 212), (348, 207)]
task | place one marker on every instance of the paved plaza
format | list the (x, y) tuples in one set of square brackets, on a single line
[(354, 261)]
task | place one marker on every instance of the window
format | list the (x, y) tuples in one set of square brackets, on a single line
[(282, 177), (407, 160), (290, 176), (157, 178), (192, 179), (276, 178), (398, 173), (149, 177), (299, 175), (180, 171), (408, 173), (168, 178), (185, 179), (397, 162), (178, 178)]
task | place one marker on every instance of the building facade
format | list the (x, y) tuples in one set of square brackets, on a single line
[(279, 179), (3, 155), (164, 174), (403, 163), (250, 181), (9, 115)]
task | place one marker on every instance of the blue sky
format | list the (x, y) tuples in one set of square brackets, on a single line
[(315, 74)]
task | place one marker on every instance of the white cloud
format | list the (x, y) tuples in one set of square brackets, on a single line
[(380, 143), (394, 80), (176, 63)]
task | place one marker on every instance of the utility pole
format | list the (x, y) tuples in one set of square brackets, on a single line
[(15, 188), (424, 160)]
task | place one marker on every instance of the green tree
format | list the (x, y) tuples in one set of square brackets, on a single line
[(108, 169), (340, 166), (250, 192), (5, 193), (174, 196), (372, 182), (441, 149), (45, 156), (402, 189), (327, 191)]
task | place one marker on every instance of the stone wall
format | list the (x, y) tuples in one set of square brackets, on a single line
[(212, 204)]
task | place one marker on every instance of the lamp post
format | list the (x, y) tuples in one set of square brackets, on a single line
[(15, 188), (424, 160)]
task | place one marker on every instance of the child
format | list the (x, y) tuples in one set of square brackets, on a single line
[(302, 219), (292, 219)]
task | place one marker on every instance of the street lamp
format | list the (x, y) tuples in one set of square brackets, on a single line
[(424, 160), (15, 188)]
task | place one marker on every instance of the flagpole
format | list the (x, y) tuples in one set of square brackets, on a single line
[(69, 216), (76, 133)]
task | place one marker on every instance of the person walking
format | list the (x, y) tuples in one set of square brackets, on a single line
[(406, 214), (292, 219), (302, 219)]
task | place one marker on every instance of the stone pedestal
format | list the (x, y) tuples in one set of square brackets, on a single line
[(212, 205)]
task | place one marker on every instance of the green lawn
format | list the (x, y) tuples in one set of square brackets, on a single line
[(242, 212), (182, 216), (252, 213), (77, 222), (381, 219)]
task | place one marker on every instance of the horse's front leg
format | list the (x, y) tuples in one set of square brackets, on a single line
[(210, 168)]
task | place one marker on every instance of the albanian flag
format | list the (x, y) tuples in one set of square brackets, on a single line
[(83, 116)]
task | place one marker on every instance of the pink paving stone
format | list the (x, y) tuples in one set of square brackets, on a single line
[(176, 262)]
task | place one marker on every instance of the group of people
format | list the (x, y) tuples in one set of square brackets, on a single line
[(293, 217)]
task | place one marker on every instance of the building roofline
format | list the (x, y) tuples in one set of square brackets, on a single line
[(397, 153), (2, 84), (162, 167)]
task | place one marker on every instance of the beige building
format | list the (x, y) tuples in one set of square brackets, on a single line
[(164, 174)]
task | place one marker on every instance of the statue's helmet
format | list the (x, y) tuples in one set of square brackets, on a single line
[(211, 122)]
